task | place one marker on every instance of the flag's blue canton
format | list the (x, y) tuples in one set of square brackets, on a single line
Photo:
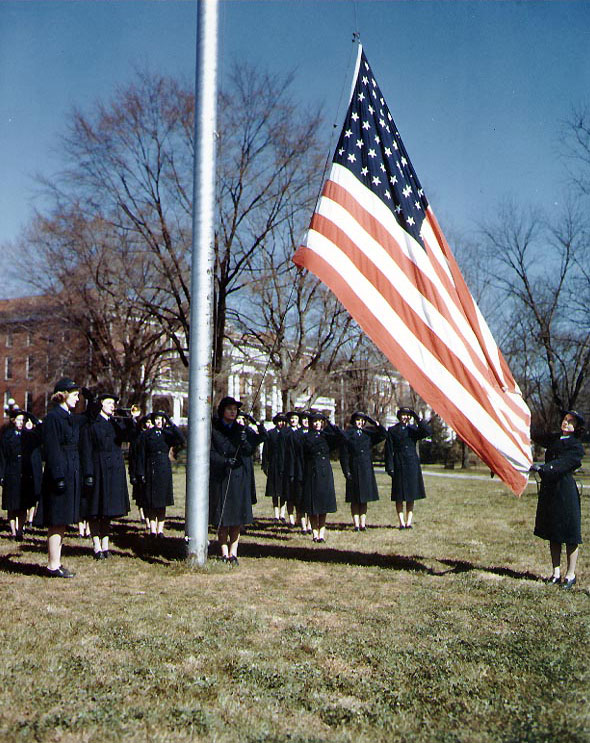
[(370, 146)]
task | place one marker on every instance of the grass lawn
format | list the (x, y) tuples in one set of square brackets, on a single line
[(442, 633)]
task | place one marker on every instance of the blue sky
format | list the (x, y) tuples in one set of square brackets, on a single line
[(478, 88)]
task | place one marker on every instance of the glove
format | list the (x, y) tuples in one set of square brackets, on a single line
[(133, 480), (250, 418), (86, 394), (348, 476), (88, 481), (141, 479), (60, 486), (372, 421), (536, 467), (232, 463)]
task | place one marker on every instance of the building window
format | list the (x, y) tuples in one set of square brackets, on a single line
[(28, 401), (8, 367), (9, 339), (29, 338), (29, 367)]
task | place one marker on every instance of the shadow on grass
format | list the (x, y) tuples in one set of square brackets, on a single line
[(129, 540), (10, 565), (463, 566), (331, 555)]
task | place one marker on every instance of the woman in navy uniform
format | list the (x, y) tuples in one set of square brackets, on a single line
[(357, 465), (155, 470), (289, 444), (135, 476), (61, 485), (319, 495), (558, 517), (20, 469), (402, 463), (230, 481), (273, 463), (105, 495)]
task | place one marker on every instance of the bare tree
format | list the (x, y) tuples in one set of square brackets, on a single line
[(298, 324), (129, 167), (575, 141), (86, 269), (536, 270), (268, 173), (366, 380)]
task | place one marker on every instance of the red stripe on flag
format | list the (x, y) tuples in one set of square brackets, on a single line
[(468, 303), (424, 386), (383, 285), (421, 331), (439, 349)]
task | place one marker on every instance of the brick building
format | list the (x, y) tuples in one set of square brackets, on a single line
[(36, 349)]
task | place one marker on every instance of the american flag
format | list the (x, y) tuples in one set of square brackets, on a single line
[(375, 242)]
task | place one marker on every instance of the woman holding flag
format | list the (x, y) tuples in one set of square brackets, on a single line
[(558, 516)]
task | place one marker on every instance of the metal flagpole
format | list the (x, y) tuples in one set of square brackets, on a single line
[(201, 324)]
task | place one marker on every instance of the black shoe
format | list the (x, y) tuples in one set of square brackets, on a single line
[(233, 561), (357, 528), (106, 554), (363, 528), (553, 580), (99, 555), (569, 582), (409, 526), (60, 572)]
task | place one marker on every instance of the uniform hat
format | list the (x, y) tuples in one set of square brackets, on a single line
[(158, 414), (356, 415), (293, 412), (13, 412), (279, 417), (107, 396), (315, 415), (405, 411), (65, 384)]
